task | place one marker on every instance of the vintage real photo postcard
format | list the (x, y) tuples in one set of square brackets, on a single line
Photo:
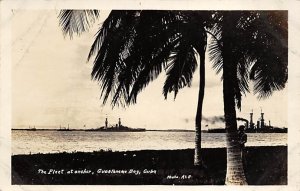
[(148, 95)]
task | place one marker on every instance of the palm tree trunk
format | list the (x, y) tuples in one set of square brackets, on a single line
[(235, 172), (197, 157)]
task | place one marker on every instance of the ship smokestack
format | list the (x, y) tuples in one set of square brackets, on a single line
[(251, 124), (119, 122), (106, 122), (262, 120)]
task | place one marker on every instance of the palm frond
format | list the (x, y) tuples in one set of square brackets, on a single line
[(180, 68), (182, 63), (215, 45), (242, 78), (215, 55), (151, 67), (109, 63), (243, 75), (131, 48), (269, 73), (157, 35), (77, 21)]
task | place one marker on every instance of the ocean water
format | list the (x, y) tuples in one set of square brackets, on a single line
[(25, 142)]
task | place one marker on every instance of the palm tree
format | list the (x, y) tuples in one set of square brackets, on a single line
[(133, 47), (250, 46)]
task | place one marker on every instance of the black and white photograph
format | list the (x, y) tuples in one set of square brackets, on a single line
[(149, 96)]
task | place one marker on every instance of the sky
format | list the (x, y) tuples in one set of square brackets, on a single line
[(52, 86)]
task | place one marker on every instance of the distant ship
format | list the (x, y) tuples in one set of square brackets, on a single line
[(266, 129), (64, 128), (250, 127), (117, 128), (31, 129)]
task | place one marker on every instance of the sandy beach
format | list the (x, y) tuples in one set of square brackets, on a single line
[(264, 166)]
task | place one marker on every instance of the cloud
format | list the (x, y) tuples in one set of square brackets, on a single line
[(210, 120)]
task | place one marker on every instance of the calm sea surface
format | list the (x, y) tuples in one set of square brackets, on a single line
[(25, 142)]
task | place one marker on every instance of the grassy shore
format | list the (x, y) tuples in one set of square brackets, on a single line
[(264, 166)]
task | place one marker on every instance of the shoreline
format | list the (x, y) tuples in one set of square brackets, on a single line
[(265, 165), (277, 130)]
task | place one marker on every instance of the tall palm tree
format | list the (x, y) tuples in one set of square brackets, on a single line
[(133, 47), (250, 46)]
